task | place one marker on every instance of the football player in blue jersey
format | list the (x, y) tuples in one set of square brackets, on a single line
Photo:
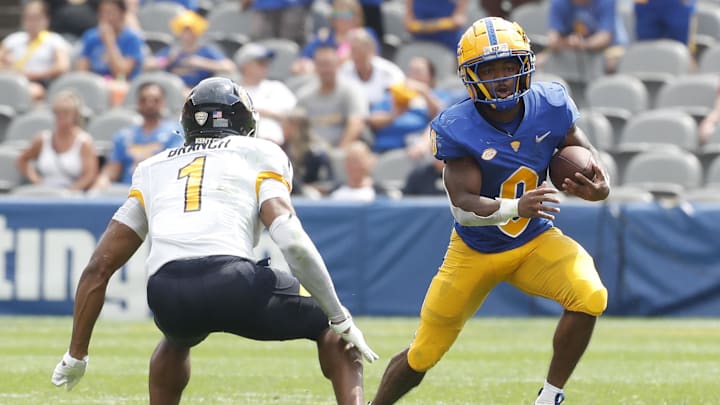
[(497, 145)]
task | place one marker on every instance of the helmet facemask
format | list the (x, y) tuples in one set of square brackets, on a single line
[(483, 91)]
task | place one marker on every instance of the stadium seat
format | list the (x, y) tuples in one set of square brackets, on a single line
[(90, 87), (42, 191), (6, 115), (664, 172), (539, 76), (337, 161), (392, 168), (626, 194), (104, 127), (655, 62), (654, 127), (577, 68), (156, 16), (172, 85), (597, 128), (158, 40), (23, 128), (694, 94), (9, 176), (227, 18), (393, 14), (618, 97), (297, 82), (286, 51), (712, 178), (444, 59), (533, 17), (710, 60), (14, 92), (608, 162), (320, 12)]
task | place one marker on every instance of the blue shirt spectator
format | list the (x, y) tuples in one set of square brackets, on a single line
[(587, 17), (112, 49), (658, 19), (440, 21), (133, 145), (278, 4), (93, 48)]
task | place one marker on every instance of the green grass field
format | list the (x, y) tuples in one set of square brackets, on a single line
[(495, 361)]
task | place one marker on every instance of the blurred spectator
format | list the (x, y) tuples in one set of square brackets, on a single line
[(308, 154), (440, 21), (586, 25), (134, 144), (286, 19), (346, 16), (111, 49), (426, 178), (502, 8), (188, 58), (374, 73), (359, 184), (709, 123), (64, 157), (35, 52), (72, 17), (271, 98), (337, 108), (664, 19), (407, 107)]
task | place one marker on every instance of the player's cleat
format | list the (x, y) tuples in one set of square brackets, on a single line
[(559, 398)]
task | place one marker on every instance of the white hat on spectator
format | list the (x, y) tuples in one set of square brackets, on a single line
[(251, 52)]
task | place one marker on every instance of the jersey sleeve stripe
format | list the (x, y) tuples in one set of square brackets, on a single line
[(137, 194), (269, 175)]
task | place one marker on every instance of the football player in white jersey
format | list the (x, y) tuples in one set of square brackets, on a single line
[(202, 207)]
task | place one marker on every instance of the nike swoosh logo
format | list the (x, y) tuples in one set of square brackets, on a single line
[(540, 138)]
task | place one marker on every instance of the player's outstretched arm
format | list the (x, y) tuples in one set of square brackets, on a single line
[(116, 246), (308, 266)]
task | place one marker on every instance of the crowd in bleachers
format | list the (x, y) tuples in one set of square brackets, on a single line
[(348, 87)]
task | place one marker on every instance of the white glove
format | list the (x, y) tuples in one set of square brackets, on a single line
[(353, 335), (69, 371)]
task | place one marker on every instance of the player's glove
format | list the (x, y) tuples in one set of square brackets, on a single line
[(69, 371), (352, 334)]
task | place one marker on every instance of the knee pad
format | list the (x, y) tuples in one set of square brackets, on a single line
[(595, 303)]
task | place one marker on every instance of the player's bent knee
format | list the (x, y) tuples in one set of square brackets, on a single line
[(595, 302), (422, 360)]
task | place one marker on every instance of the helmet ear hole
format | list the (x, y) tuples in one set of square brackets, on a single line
[(215, 108)]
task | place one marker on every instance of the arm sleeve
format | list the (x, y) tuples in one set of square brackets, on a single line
[(306, 263), (275, 176), (132, 214)]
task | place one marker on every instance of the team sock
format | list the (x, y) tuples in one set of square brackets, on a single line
[(548, 394)]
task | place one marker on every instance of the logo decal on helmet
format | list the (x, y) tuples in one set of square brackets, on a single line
[(201, 117)]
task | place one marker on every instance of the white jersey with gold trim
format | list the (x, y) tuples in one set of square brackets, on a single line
[(204, 199)]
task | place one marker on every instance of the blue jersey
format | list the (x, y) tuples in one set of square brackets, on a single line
[(510, 163)]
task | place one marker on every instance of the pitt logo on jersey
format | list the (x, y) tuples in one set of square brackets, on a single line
[(515, 145), (488, 154)]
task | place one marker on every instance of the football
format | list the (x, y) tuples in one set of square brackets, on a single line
[(568, 161)]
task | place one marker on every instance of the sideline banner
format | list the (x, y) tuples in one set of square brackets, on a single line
[(382, 256)]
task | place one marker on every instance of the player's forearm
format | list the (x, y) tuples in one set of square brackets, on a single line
[(306, 263), (89, 301)]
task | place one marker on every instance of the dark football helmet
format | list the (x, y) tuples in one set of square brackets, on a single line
[(217, 107)]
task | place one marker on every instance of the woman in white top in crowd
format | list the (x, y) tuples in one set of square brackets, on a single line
[(35, 52), (66, 156)]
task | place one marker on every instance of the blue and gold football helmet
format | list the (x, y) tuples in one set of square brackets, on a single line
[(490, 39)]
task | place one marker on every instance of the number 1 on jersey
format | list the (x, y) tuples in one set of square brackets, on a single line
[(194, 172)]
